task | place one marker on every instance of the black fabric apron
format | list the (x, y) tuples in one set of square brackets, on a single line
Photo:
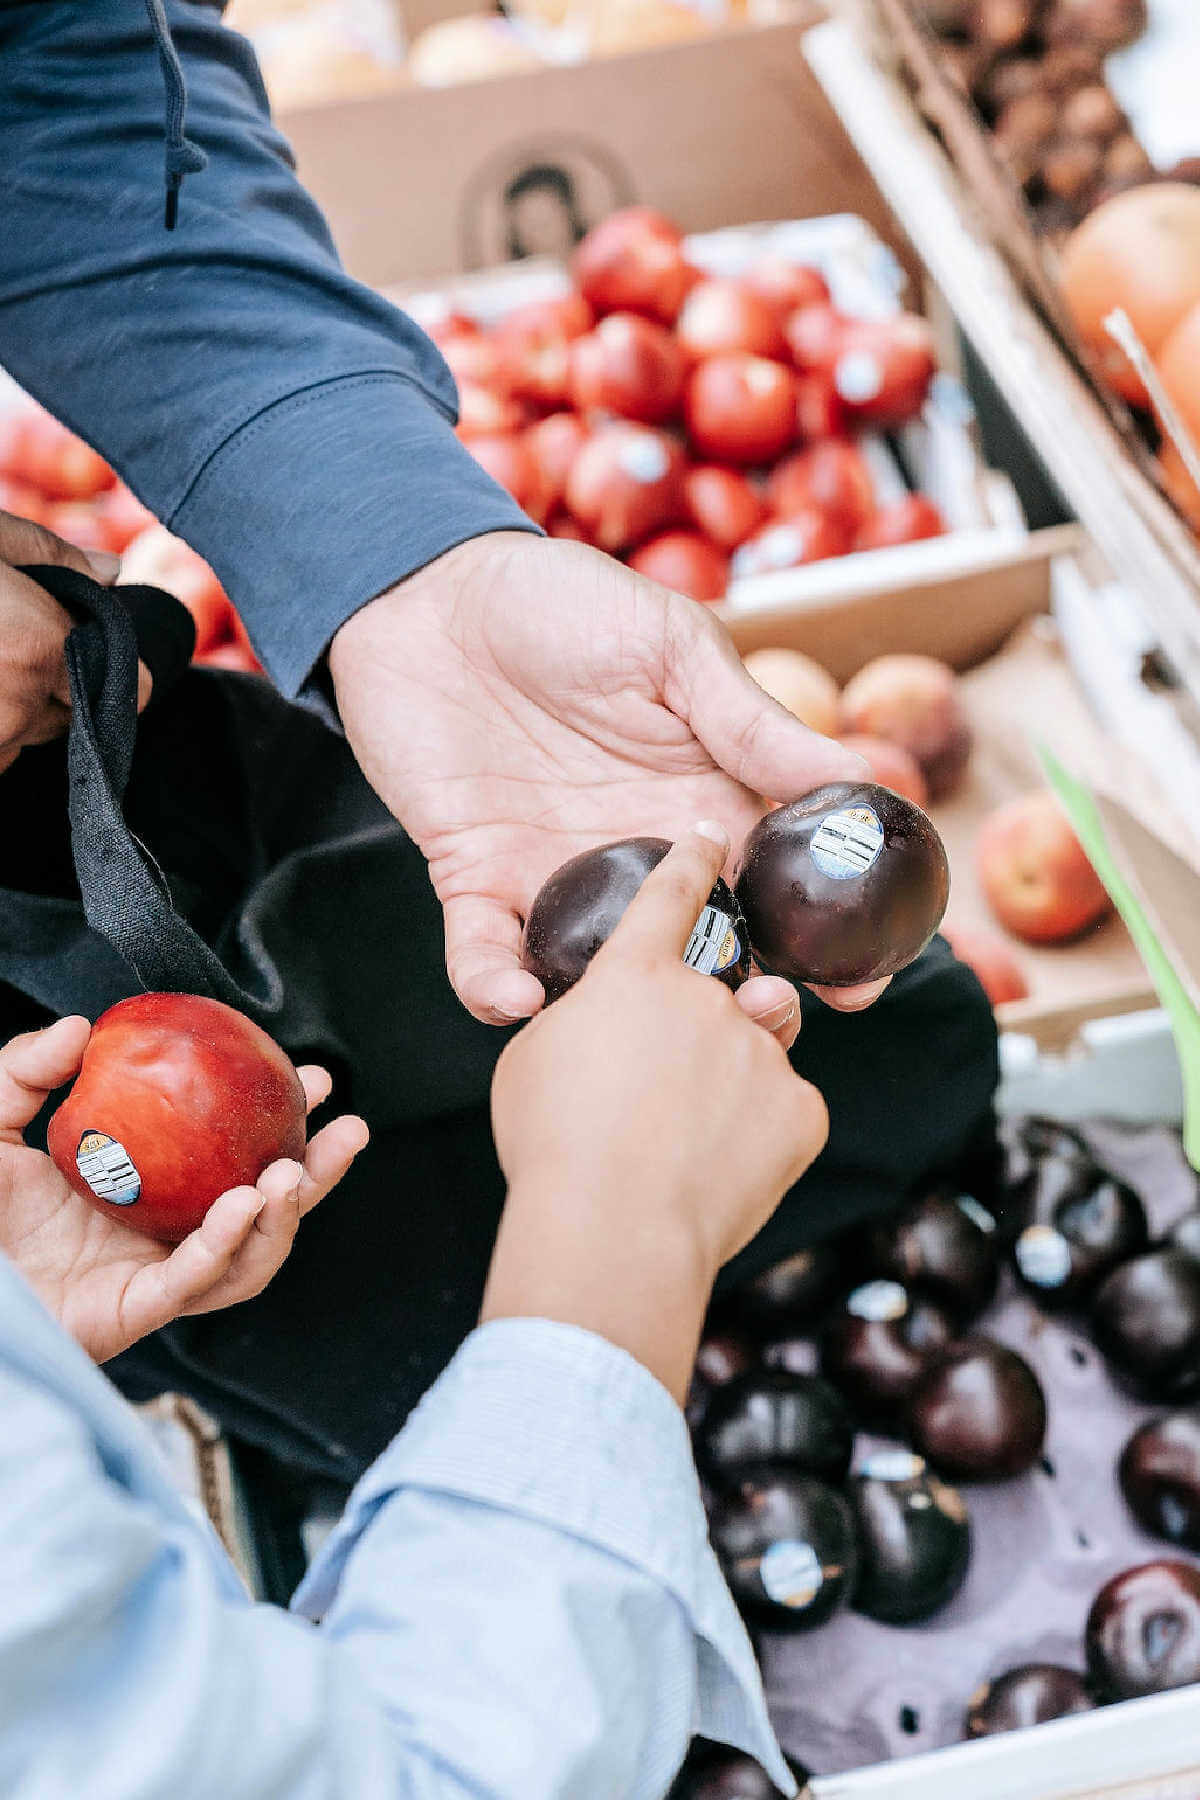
[(281, 859)]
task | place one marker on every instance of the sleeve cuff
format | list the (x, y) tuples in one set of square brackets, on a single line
[(327, 498), (559, 1425)]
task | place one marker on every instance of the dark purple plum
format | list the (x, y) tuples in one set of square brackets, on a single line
[(798, 1421), (580, 906), (844, 886), (942, 1247), (979, 1413), (1029, 1695), (1185, 1235), (721, 1357), (713, 1772), (878, 1344), (1081, 1222), (792, 1294), (1146, 1319), (914, 1539), (1159, 1472), (786, 1544), (1143, 1632)]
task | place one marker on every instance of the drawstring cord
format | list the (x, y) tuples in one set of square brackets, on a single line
[(182, 156)]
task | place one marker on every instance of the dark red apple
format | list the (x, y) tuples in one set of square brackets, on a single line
[(1143, 1632), (1082, 1223), (771, 1415), (1146, 1317), (1159, 1472), (878, 1345), (786, 1545), (979, 1414), (580, 906), (843, 886), (178, 1100), (944, 1246), (1029, 1695), (914, 1539)]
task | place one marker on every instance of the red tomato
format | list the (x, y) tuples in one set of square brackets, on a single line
[(808, 537), (741, 409), (554, 443), (686, 562), (36, 450), (124, 515), (633, 261), (567, 316), (508, 461), (476, 361), (831, 476), (482, 413), (23, 502), (884, 368), (626, 482), (537, 370), (723, 505), (814, 336), (164, 561), (450, 324), (902, 522), (723, 316), (819, 412), (80, 523), (562, 525), (231, 655), (629, 366), (785, 285)]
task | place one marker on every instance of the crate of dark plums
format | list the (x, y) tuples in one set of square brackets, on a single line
[(952, 1465)]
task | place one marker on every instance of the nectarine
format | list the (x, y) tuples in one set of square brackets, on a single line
[(913, 701), (1033, 870)]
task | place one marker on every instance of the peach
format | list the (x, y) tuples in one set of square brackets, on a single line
[(799, 684), (1035, 874), (998, 970), (912, 701), (891, 766)]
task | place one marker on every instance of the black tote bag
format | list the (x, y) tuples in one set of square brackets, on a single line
[(228, 844)]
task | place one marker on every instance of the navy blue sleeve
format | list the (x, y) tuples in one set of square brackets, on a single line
[(292, 426)]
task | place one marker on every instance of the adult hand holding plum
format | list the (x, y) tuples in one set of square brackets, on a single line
[(109, 1283), (620, 1120)]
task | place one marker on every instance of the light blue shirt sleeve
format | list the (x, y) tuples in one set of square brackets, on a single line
[(519, 1604)]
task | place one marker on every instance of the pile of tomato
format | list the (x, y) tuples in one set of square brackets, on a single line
[(701, 428), (49, 475)]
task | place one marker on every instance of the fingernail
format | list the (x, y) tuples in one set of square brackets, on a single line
[(713, 830), (103, 564), (778, 1014)]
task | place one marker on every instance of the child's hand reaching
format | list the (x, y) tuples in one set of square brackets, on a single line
[(106, 1283)]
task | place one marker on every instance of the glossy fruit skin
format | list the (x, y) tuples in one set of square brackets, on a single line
[(554, 443), (771, 1415), (685, 562), (1029, 1695), (1146, 1319), (839, 929), (914, 1539), (883, 369), (1082, 1222), (805, 537), (907, 521), (1159, 1472), (741, 409), (721, 317), (786, 1545), (507, 460), (633, 261), (721, 1357), (913, 701), (714, 1772), (1035, 874), (580, 906), (831, 476), (200, 1099), (1143, 1632), (722, 504), (785, 285), (878, 1345), (979, 1414), (625, 482), (790, 1295), (630, 366), (891, 766), (943, 1246)]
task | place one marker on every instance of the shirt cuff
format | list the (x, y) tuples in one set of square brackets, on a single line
[(324, 500), (559, 1425)]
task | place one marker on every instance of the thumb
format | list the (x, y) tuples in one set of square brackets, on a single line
[(749, 735)]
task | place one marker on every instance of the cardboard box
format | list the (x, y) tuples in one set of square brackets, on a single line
[(961, 214), (431, 181)]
